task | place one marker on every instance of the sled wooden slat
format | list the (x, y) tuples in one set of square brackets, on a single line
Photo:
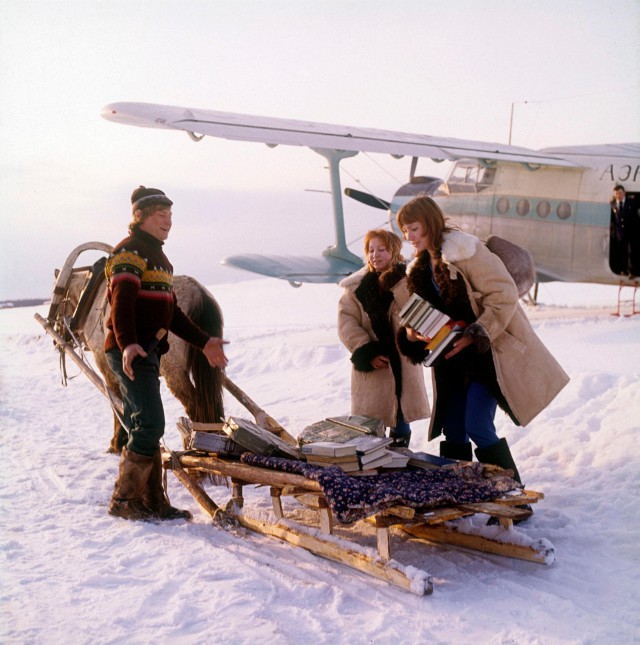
[(541, 552), (498, 510), (248, 474)]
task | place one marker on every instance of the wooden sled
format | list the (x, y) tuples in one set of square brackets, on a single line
[(321, 538), (430, 527)]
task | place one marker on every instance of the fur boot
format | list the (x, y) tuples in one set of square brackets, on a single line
[(459, 451), (155, 497), (499, 455), (131, 484)]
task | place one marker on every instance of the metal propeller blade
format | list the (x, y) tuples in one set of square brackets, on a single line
[(367, 199)]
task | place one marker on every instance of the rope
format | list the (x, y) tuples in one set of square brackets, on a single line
[(77, 346)]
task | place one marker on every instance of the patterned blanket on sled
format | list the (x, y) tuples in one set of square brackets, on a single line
[(354, 498)]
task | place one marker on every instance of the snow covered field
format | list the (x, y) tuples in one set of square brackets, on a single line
[(72, 574)]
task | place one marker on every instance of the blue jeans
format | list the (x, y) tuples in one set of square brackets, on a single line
[(143, 410), (470, 414)]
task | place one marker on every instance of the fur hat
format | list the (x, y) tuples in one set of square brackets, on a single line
[(143, 196)]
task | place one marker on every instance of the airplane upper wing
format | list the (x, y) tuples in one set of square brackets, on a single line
[(274, 131)]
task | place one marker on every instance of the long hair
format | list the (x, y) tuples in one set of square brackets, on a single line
[(391, 241), (425, 211)]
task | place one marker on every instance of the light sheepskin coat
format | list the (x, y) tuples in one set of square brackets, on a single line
[(528, 375), (373, 393)]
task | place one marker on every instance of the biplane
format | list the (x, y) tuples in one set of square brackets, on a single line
[(554, 202)]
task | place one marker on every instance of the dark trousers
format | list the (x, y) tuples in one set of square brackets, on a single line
[(143, 410)]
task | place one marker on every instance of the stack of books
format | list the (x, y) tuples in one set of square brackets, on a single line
[(258, 440), (341, 429), (398, 460), (372, 451), (332, 453), (207, 437), (424, 318), (362, 455)]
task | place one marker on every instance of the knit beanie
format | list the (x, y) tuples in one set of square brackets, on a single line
[(143, 196)]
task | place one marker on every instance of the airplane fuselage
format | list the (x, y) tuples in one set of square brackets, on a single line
[(561, 215)]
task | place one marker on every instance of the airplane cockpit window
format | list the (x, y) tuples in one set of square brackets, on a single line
[(470, 177)]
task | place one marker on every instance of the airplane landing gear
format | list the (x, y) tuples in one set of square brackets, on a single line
[(634, 311)]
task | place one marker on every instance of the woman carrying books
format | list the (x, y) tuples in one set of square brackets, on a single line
[(498, 360), (384, 384)]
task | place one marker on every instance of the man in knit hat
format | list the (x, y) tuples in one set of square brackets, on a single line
[(140, 291)]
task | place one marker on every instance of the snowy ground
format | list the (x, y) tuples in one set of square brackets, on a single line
[(72, 574)]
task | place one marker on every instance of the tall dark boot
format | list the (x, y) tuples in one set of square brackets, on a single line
[(500, 455), (155, 497), (400, 440), (131, 484), (459, 451)]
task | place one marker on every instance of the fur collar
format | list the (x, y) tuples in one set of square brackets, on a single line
[(354, 279), (387, 280), (457, 245)]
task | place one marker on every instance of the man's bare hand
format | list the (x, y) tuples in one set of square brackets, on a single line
[(131, 352), (214, 352)]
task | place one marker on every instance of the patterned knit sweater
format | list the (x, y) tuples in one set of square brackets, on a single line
[(140, 291)]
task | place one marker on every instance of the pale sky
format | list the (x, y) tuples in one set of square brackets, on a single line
[(442, 67)]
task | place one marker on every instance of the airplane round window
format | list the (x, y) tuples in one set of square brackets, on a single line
[(543, 209), (503, 205), (564, 210), (523, 207)]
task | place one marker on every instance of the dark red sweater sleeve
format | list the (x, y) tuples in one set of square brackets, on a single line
[(186, 329)]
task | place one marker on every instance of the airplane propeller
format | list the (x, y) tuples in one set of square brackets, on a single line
[(367, 199)]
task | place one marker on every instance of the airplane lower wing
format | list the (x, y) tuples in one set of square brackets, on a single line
[(295, 269)]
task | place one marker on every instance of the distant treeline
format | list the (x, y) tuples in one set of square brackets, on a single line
[(25, 302)]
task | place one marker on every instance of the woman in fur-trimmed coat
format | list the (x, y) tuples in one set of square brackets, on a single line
[(384, 384), (498, 361)]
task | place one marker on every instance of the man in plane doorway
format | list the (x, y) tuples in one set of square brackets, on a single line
[(625, 233)]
